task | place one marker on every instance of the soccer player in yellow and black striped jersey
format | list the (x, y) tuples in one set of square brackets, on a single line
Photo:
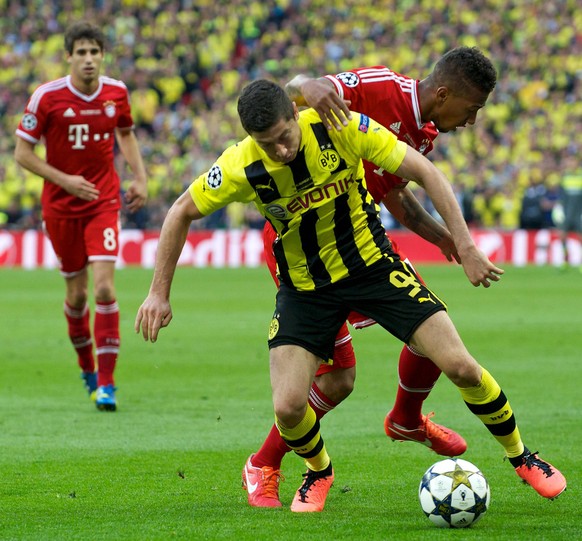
[(333, 257), (319, 193)]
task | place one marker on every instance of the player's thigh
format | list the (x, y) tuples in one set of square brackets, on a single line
[(103, 280), (292, 369), (438, 339), (102, 236), (67, 236)]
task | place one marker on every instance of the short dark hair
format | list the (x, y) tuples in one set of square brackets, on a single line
[(465, 68), (83, 30), (262, 104)]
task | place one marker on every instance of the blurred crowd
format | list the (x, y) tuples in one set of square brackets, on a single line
[(184, 63)]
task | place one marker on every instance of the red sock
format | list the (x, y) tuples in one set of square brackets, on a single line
[(274, 448), (106, 329), (343, 350), (80, 335), (417, 376), (320, 403)]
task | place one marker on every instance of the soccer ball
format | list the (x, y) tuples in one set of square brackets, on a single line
[(453, 493)]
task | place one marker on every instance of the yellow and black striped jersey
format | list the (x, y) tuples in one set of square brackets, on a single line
[(327, 223), (572, 183)]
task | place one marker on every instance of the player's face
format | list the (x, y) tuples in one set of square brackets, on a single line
[(458, 110), (280, 142), (85, 63)]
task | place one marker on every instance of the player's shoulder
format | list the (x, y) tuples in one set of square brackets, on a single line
[(53, 85), (49, 87), (379, 80), (110, 82), (310, 121), (240, 155), (384, 75), (308, 116), (370, 74)]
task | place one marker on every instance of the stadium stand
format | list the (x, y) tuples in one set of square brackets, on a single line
[(185, 62)]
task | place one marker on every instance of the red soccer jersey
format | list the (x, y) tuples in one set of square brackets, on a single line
[(392, 100), (78, 132)]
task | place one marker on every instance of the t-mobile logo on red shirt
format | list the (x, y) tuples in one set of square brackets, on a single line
[(79, 134)]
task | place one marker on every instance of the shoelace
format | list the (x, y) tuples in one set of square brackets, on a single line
[(310, 479), (271, 479), (432, 429), (531, 460)]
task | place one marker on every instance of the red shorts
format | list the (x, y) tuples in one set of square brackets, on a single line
[(77, 241), (343, 353)]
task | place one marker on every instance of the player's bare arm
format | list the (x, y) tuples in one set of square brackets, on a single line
[(320, 94), (137, 192), (406, 208), (76, 185), (156, 312), (477, 266)]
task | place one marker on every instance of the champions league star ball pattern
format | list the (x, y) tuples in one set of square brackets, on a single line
[(214, 178), (349, 79), (453, 493)]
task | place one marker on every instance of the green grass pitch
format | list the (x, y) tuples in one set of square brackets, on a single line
[(193, 406)]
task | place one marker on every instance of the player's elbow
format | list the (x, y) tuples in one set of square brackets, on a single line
[(21, 153), (183, 211), (18, 158)]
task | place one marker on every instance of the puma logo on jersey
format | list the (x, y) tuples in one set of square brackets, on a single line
[(265, 186)]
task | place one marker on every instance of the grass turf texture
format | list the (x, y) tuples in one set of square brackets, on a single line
[(193, 406)]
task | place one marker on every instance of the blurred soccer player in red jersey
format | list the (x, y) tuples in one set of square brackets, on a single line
[(415, 111), (79, 117)]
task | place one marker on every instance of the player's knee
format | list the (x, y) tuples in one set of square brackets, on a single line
[(344, 389), (289, 413), (104, 293), (77, 298), (336, 385), (465, 372)]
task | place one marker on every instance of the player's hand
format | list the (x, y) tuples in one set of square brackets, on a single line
[(152, 315), (79, 187), (448, 249), (136, 196), (333, 110), (479, 269)]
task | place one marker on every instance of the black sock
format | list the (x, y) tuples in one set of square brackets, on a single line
[(518, 460)]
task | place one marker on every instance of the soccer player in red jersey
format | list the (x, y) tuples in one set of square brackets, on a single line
[(415, 111), (79, 117)]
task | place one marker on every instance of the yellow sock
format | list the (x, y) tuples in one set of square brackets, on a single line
[(488, 402), (306, 441)]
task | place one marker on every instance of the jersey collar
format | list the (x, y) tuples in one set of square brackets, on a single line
[(80, 94)]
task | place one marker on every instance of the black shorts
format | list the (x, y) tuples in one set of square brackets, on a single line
[(389, 292)]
